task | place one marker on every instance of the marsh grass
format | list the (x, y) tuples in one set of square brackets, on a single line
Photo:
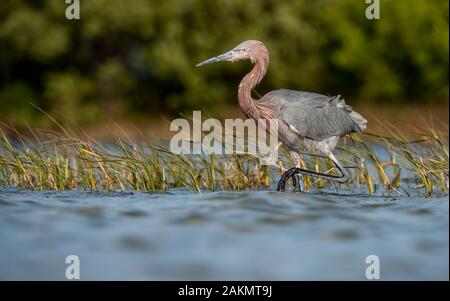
[(70, 159)]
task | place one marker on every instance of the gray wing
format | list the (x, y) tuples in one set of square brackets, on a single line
[(316, 116)]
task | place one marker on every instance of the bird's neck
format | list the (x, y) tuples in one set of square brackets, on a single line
[(248, 105)]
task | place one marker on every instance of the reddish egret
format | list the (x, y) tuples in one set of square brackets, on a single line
[(307, 122)]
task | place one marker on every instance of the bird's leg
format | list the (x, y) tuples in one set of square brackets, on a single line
[(284, 178), (297, 179), (298, 182), (296, 170)]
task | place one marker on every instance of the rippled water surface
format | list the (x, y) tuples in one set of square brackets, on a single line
[(221, 235)]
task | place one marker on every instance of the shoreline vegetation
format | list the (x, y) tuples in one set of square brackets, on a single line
[(393, 164), (135, 58)]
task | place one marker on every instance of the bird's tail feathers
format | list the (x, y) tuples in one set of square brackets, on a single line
[(360, 121)]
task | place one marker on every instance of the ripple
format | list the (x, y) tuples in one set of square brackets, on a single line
[(135, 243), (133, 213), (342, 234), (6, 203), (192, 218), (289, 218), (422, 211), (89, 211)]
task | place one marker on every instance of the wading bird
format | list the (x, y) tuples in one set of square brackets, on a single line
[(307, 122)]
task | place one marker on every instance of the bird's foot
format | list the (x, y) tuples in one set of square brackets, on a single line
[(297, 180)]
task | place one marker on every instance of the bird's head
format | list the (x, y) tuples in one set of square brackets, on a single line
[(248, 50)]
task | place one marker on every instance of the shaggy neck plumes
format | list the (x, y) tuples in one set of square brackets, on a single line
[(249, 106)]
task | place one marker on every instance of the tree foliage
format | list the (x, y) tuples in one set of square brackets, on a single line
[(137, 57)]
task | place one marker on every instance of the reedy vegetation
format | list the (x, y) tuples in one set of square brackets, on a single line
[(65, 160)]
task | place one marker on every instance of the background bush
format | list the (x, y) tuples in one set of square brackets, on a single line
[(136, 58)]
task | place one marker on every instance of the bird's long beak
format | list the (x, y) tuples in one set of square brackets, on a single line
[(223, 57)]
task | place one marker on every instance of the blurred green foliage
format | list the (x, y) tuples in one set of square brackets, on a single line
[(136, 58)]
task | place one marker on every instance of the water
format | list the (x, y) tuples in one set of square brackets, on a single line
[(260, 235)]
